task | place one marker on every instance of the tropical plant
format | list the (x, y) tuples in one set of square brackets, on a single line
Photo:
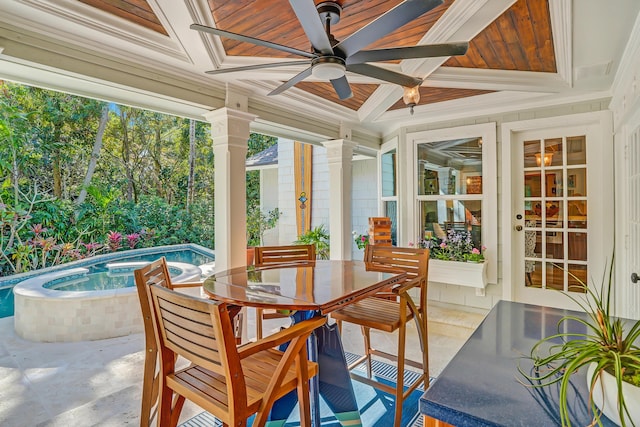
[(258, 222), (604, 344), (319, 237)]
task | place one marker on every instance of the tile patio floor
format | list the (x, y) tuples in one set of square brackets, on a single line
[(98, 383)]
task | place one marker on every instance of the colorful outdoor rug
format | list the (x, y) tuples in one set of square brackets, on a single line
[(376, 407)]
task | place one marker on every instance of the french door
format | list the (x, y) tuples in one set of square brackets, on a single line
[(557, 177)]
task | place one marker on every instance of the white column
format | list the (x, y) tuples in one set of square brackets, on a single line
[(230, 133), (339, 158)]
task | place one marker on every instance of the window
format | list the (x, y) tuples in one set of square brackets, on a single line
[(389, 190), (455, 188)]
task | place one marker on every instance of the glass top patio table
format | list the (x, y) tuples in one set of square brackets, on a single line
[(322, 286), (309, 289)]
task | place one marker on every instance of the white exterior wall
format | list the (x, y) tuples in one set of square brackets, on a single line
[(286, 192), (320, 189), (364, 199), (287, 199), (269, 201)]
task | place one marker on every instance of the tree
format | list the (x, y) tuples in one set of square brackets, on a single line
[(95, 153)]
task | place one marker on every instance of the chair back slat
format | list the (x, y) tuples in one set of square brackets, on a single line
[(413, 261), (196, 329), (266, 255)]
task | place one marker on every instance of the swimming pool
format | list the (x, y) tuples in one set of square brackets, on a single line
[(95, 301), (186, 253)]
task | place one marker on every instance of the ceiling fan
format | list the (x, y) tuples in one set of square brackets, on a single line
[(329, 58)]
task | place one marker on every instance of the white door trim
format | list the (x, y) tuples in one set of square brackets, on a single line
[(602, 119)]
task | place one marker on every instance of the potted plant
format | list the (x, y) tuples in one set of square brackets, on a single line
[(455, 260), (609, 349), (257, 223), (361, 240), (319, 237)]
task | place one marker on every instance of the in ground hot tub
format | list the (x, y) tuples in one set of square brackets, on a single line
[(78, 304)]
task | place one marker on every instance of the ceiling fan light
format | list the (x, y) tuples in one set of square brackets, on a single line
[(328, 71), (411, 96)]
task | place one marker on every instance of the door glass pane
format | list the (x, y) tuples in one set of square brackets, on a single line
[(577, 243), (552, 153), (553, 183), (555, 212), (577, 277), (555, 276), (388, 167), (555, 245), (532, 187), (577, 182), (576, 150), (577, 211), (531, 154)]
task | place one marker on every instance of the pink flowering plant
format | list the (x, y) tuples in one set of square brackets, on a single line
[(456, 246), (361, 240)]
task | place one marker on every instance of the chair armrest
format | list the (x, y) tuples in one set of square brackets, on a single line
[(282, 336), (405, 286)]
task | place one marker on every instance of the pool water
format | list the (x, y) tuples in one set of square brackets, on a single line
[(99, 279)]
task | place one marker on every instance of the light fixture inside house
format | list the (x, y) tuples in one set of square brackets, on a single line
[(328, 68), (548, 158), (411, 97)]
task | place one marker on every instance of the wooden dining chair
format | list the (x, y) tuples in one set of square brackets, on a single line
[(272, 256), (232, 383), (387, 315), (156, 273), (267, 255)]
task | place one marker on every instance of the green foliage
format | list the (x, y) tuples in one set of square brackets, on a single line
[(604, 343), (319, 237), (258, 222), (361, 240)]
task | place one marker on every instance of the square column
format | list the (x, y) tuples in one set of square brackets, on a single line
[(339, 158), (230, 132)]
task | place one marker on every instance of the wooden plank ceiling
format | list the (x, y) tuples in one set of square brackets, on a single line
[(520, 39)]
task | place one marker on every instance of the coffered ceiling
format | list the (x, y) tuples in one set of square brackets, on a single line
[(519, 50)]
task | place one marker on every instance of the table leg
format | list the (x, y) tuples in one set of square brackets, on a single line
[(333, 382)]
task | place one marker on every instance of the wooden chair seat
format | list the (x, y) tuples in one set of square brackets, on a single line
[(211, 386), (272, 256), (390, 315), (386, 315)]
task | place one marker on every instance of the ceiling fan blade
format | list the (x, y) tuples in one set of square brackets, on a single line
[(312, 25), (384, 74), (291, 82), (395, 18), (422, 51), (251, 40), (256, 67), (342, 87)]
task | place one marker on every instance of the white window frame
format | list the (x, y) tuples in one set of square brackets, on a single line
[(385, 148), (489, 196)]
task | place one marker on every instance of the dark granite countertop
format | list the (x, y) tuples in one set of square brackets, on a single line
[(481, 385)]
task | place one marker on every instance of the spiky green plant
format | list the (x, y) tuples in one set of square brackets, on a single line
[(604, 343)]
